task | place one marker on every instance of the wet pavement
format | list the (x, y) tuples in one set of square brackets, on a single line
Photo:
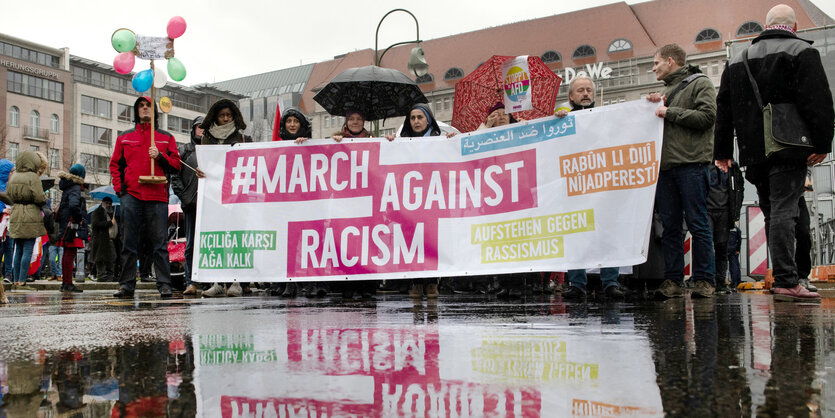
[(462, 356)]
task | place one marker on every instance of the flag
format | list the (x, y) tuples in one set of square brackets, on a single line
[(277, 123), (37, 255)]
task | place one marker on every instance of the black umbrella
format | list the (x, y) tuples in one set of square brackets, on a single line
[(377, 92)]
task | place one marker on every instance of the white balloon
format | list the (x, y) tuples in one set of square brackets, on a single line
[(159, 78)]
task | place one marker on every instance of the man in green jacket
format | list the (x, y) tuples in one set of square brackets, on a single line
[(689, 113)]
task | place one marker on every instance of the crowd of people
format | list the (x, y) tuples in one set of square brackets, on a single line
[(699, 185)]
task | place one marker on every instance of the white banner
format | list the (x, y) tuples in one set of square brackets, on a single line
[(516, 78), (543, 195)]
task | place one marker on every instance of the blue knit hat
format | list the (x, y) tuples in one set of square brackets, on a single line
[(78, 170)]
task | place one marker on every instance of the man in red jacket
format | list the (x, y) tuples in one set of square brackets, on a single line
[(144, 205)]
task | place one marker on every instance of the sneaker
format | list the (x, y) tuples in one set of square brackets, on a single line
[(805, 283), (290, 290), (6, 280), (123, 294), (432, 291), (70, 288), (216, 290), (23, 286), (614, 292), (165, 291), (703, 289), (416, 291), (147, 279), (276, 289), (190, 290), (574, 293), (795, 294), (668, 289), (234, 290)]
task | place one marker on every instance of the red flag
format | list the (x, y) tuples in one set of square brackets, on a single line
[(277, 123)]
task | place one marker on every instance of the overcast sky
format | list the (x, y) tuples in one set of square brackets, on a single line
[(229, 39)]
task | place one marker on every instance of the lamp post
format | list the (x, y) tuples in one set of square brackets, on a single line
[(417, 62)]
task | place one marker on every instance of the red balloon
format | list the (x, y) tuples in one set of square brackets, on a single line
[(176, 27), (124, 62)]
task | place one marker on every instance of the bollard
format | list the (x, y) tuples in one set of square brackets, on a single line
[(80, 275)]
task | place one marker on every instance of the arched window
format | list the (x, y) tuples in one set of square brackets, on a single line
[(453, 73), (54, 125), (620, 45), (749, 28), (14, 116), (583, 51), (708, 35), (35, 120), (426, 78), (551, 56)]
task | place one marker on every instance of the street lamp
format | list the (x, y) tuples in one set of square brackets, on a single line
[(417, 62)]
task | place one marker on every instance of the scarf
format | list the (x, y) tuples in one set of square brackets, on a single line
[(348, 134), (223, 131), (782, 27)]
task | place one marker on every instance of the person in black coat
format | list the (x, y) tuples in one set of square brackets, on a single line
[(72, 228)]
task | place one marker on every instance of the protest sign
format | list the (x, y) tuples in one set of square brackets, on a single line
[(543, 195), (516, 79)]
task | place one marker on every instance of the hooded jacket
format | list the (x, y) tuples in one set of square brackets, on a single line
[(73, 206), (788, 70), (6, 168), (130, 160), (304, 130), (26, 191), (688, 125), (431, 126), (184, 182)]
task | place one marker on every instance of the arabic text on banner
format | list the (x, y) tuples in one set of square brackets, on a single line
[(542, 195)]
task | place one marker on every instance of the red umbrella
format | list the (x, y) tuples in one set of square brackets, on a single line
[(481, 89)]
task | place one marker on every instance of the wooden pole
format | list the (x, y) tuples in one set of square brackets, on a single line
[(153, 179)]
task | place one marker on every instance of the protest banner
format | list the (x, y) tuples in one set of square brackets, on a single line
[(544, 195)]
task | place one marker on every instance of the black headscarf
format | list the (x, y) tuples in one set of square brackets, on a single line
[(304, 130), (431, 126)]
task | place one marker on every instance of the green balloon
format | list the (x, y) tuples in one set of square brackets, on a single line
[(176, 69), (123, 40)]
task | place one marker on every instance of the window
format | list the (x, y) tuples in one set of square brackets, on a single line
[(620, 45), (96, 163), (446, 103), (14, 116), (426, 78), (34, 148), (178, 124), (30, 85), (125, 113), (54, 124), (749, 28), (11, 153), (35, 119), (327, 121), (95, 135), (30, 55), (708, 35), (54, 158), (453, 73), (583, 51), (551, 56), (96, 107)]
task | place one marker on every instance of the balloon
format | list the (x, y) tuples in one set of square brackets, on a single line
[(124, 62), (159, 78), (142, 80), (176, 69), (176, 27), (123, 40)]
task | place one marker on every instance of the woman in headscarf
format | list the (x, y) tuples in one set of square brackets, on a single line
[(223, 124), (294, 126), (354, 126)]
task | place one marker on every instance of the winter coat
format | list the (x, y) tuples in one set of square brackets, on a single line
[(726, 190), (26, 191), (103, 249), (304, 130), (232, 139), (6, 168), (73, 207), (49, 223), (130, 161), (688, 125), (184, 182), (787, 70)]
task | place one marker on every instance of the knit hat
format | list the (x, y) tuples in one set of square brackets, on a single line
[(497, 106), (78, 170)]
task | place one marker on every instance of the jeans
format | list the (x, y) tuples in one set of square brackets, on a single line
[(8, 255), (682, 190), (720, 226), (608, 276), (779, 187), (55, 254), (803, 249), (190, 216), (22, 258), (148, 219)]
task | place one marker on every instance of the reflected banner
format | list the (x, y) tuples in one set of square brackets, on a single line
[(543, 195)]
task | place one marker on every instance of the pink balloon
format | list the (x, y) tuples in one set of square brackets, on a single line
[(176, 27), (124, 62)]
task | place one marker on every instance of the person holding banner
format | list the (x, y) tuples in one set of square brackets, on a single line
[(581, 96), (223, 125), (26, 220), (354, 126), (294, 126), (184, 184), (496, 116), (144, 205), (689, 112)]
